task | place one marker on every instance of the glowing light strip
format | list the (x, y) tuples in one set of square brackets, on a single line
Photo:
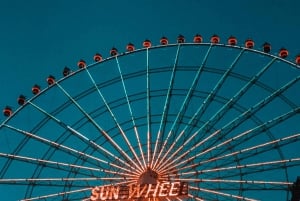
[(276, 162), (182, 111), (77, 133), (61, 165), (113, 116), (143, 167), (165, 110), (212, 148), (253, 165), (167, 163), (292, 138), (118, 148), (222, 194), (195, 197), (57, 194), (213, 93), (54, 164), (220, 113), (265, 125), (235, 181), (30, 180), (149, 136), (65, 148), (243, 116), (205, 103)]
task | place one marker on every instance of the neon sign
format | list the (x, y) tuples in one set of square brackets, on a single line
[(139, 191)]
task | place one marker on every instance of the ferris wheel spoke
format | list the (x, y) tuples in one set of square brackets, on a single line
[(222, 194), (66, 149), (106, 135), (182, 110), (257, 149), (219, 114), (205, 103), (133, 121), (247, 184), (53, 164), (112, 114), (165, 164), (276, 164), (249, 168), (253, 131), (165, 110), (79, 135), (195, 197), (44, 197), (251, 111), (76, 182), (212, 94), (149, 135)]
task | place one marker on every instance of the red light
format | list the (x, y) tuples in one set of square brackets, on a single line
[(297, 60), (130, 47), (283, 53), (36, 89), (81, 64), (198, 38), (215, 39), (7, 111), (147, 43), (97, 57), (164, 41), (232, 40), (50, 80), (249, 43)]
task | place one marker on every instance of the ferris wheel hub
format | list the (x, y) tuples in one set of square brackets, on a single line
[(148, 177)]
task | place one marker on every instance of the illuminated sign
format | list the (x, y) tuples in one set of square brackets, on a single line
[(139, 191)]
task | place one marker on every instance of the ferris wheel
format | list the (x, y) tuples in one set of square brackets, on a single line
[(194, 120)]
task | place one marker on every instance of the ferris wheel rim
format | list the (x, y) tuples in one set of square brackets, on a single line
[(140, 50)]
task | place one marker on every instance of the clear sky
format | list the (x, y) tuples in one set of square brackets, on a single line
[(39, 38)]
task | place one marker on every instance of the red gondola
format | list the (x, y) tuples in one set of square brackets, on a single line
[(66, 71), (7, 111), (283, 53), (50, 80), (21, 100), (180, 39), (197, 38), (232, 40), (97, 57), (81, 63), (147, 43), (130, 47), (249, 43), (215, 39), (297, 60), (266, 47), (36, 89), (113, 51), (164, 40)]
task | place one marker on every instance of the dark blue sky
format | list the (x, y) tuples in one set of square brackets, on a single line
[(39, 38)]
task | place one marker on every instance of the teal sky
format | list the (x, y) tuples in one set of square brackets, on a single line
[(39, 38)]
